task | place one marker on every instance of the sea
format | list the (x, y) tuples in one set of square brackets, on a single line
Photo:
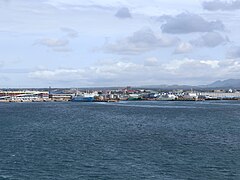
[(169, 140)]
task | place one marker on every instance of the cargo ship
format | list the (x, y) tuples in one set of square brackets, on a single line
[(84, 98)]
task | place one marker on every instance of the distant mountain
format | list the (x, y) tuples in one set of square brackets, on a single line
[(225, 84), (170, 87), (229, 83)]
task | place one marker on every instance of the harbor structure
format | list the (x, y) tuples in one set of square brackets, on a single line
[(124, 94), (219, 95), (25, 95)]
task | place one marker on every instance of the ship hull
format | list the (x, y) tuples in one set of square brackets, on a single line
[(83, 99)]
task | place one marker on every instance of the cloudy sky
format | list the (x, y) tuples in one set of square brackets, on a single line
[(79, 43)]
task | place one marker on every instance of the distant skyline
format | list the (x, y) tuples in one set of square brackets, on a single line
[(78, 43)]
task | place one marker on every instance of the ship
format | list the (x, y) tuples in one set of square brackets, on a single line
[(134, 97), (85, 97), (167, 97)]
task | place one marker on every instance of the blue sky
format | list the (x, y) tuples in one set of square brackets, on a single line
[(77, 43)]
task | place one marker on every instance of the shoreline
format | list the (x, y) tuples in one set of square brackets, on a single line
[(110, 101)]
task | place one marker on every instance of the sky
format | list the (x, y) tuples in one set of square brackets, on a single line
[(93, 43)]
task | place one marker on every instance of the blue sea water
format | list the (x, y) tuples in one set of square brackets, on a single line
[(125, 140)]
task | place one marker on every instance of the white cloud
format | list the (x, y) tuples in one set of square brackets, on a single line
[(51, 42), (215, 5), (123, 13), (59, 44), (152, 61), (202, 71), (58, 74), (210, 39), (70, 32), (212, 63), (178, 64), (141, 41), (124, 73), (188, 23), (183, 47), (80, 26)]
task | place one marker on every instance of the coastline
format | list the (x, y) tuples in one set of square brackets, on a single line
[(47, 101)]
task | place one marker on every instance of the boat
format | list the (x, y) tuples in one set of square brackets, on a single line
[(167, 97), (84, 98), (134, 97)]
